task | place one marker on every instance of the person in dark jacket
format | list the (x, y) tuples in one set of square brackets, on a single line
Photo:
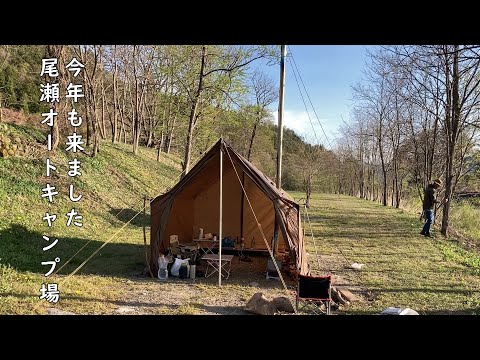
[(429, 201)]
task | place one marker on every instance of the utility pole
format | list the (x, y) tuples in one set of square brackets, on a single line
[(279, 139), (280, 117), (220, 216)]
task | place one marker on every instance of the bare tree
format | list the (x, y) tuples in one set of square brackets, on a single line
[(454, 71), (265, 94), (218, 66), (90, 57), (376, 102)]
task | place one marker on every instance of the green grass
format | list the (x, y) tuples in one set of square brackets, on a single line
[(402, 268), (467, 258), (112, 184), (465, 217)]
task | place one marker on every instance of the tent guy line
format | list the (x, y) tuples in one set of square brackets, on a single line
[(311, 231), (141, 210), (260, 227)]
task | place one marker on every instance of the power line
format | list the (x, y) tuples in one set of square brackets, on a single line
[(304, 104), (309, 99), (308, 96)]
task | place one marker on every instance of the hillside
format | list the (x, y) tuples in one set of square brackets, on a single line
[(112, 184)]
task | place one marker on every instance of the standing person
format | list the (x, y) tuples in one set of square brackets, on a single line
[(429, 201)]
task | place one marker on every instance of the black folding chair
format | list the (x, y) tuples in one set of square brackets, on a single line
[(314, 291)]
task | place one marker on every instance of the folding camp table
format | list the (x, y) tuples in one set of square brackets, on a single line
[(210, 243), (213, 262)]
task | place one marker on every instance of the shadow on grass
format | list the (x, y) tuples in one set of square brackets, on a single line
[(432, 290), (22, 249), (466, 311), (125, 215)]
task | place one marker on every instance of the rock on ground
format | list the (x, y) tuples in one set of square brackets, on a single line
[(260, 305), (124, 309), (52, 311), (282, 303)]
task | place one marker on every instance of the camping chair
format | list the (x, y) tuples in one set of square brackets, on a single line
[(185, 251), (314, 291)]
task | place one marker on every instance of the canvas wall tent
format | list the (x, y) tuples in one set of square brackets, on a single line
[(193, 203)]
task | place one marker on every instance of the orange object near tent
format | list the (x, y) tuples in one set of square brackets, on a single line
[(193, 203)]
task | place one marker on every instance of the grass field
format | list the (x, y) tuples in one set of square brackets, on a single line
[(402, 268), (465, 218)]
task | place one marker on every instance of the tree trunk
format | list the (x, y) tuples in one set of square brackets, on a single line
[(373, 184), (397, 190), (393, 191), (124, 132), (193, 116), (161, 142), (250, 146), (308, 190), (169, 140), (115, 102), (384, 172), (362, 174), (103, 129), (136, 121), (452, 130), (123, 110), (95, 125), (88, 141), (151, 125)]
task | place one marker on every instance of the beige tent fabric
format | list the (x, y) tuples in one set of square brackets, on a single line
[(193, 203)]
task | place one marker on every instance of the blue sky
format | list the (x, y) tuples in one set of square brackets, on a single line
[(328, 72)]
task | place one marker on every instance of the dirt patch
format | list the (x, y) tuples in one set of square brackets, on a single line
[(203, 295), (17, 117)]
